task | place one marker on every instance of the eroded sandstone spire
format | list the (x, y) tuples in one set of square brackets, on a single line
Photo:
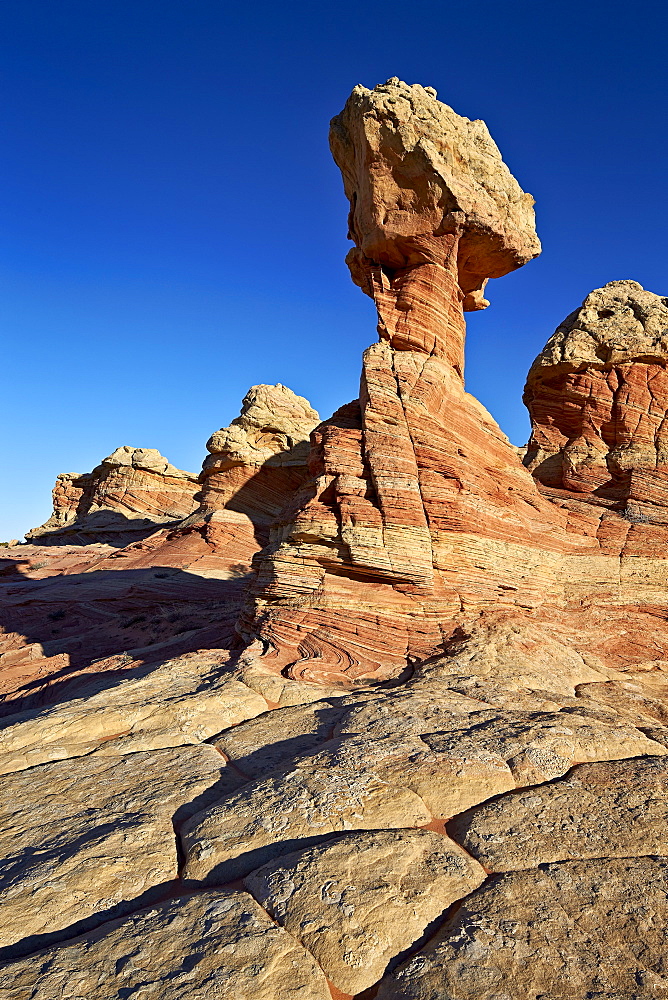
[(416, 494)]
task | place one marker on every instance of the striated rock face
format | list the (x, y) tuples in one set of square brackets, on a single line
[(256, 464), (598, 398), (418, 507), (438, 767), (127, 496)]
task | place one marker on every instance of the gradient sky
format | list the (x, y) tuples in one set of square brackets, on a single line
[(173, 226)]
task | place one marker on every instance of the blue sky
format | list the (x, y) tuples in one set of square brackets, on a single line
[(173, 226)]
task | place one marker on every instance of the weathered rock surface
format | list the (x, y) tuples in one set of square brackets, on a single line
[(184, 701), (418, 506), (359, 638), (209, 945), (599, 811), (563, 932), (124, 498), (256, 464), (359, 901), (368, 782), (598, 397), (91, 836)]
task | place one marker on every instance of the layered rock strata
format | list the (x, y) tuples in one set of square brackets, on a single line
[(418, 507), (127, 496), (598, 398), (189, 818), (100, 590)]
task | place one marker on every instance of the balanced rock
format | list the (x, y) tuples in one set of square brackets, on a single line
[(418, 506)]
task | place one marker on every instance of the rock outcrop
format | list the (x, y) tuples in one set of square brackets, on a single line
[(382, 714), (598, 399), (126, 497), (418, 507)]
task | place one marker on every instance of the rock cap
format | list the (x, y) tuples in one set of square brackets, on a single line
[(413, 167), (616, 323)]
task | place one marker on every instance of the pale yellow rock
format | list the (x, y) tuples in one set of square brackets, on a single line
[(592, 929), (525, 654), (211, 945), (359, 901), (351, 784), (177, 703), (541, 746), (282, 691), (261, 745), (82, 837), (617, 809), (273, 429), (616, 323), (342, 788), (431, 168), (419, 709)]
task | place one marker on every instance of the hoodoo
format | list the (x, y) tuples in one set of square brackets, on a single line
[(374, 708), (418, 509)]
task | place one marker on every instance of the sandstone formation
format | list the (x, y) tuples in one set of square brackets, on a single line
[(598, 397), (256, 464), (357, 902), (418, 506), (177, 582), (572, 931), (124, 498), (382, 711), (211, 944)]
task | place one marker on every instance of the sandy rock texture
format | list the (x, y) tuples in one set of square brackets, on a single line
[(87, 836), (359, 901), (211, 944), (568, 931), (129, 494), (599, 811), (377, 707)]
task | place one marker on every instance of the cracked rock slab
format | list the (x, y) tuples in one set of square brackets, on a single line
[(200, 947), (361, 900), (89, 836), (617, 809), (174, 705), (567, 931), (261, 745), (351, 784), (543, 745)]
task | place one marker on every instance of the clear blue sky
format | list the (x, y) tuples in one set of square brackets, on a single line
[(174, 228)]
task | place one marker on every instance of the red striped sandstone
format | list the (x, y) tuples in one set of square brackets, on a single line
[(131, 492), (418, 508)]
